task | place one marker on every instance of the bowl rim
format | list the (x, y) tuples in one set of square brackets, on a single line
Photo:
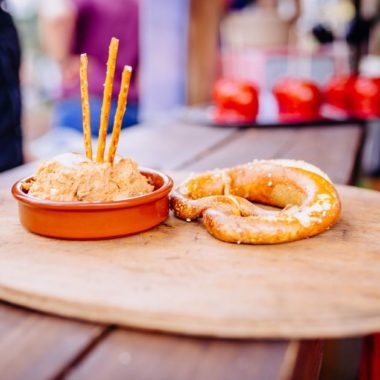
[(159, 193)]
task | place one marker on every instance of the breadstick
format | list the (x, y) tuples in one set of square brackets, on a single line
[(85, 105), (107, 97), (121, 107)]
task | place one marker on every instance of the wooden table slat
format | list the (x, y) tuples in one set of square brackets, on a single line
[(39, 346), (243, 147), (137, 355), (333, 149), (169, 146)]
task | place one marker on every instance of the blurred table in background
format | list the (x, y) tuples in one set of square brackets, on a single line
[(36, 345)]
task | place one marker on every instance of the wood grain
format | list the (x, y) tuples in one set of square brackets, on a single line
[(128, 354), (38, 346), (334, 149), (178, 278), (309, 360), (169, 145), (242, 147)]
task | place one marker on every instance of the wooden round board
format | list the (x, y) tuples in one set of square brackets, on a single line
[(177, 278)]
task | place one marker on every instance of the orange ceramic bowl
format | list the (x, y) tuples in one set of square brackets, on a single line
[(101, 220)]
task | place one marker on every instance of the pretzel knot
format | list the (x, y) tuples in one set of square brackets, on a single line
[(308, 200)]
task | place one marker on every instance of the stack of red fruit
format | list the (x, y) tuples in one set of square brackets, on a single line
[(298, 99)]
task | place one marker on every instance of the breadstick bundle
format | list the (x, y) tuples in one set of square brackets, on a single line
[(106, 105)]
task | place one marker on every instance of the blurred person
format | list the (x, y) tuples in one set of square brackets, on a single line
[(10, 95), (71, 27)]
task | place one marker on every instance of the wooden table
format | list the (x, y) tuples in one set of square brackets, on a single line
[(40, 346)]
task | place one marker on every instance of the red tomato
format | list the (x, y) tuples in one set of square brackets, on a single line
[(337, 91), (297, 99), (235, 100), (365, 97)]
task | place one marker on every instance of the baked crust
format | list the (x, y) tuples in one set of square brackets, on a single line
[(308, 200)]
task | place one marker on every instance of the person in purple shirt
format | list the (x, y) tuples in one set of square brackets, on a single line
[(71, 27)]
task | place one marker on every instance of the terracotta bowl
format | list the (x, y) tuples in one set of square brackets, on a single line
[(85, 220)]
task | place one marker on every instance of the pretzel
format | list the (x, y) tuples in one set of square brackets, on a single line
[(120, 110), (310, 204), (107, 97), (85, 105)]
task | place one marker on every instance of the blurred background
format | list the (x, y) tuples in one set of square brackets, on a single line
[(258, 41)]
